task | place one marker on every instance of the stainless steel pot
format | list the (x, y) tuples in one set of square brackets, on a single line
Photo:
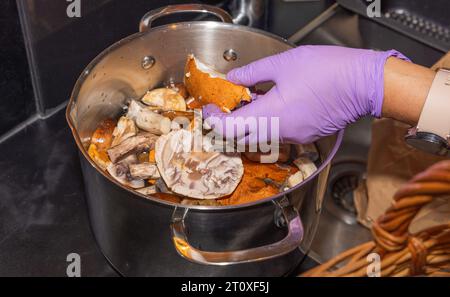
[(147, 236)]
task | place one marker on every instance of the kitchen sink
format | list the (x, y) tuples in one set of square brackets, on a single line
[(425, 22), (338, 228)]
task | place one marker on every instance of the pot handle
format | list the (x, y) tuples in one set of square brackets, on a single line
[(149, 17), (273, 250)]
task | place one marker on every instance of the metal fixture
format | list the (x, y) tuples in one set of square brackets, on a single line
[(344, 179), (230, 55), (148, 62)]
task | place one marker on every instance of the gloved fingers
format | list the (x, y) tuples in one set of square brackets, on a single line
[(262, 70), (212, 109), (262, 139), (222, 123), (256, 118)]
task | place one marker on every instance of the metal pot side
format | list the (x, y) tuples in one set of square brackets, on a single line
[(134, 231)]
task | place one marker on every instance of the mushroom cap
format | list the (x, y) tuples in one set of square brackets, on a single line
[(125, 128), (165, 99), (201, 175), (207, 85)]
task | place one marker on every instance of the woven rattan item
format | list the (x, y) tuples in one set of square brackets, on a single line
[(401, 253)]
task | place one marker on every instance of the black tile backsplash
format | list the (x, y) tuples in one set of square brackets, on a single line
[(61, 46), (16, 92)]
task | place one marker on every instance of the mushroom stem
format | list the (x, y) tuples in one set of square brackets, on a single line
[(120, 172), (144, 171), (140, 142), (148, 120)]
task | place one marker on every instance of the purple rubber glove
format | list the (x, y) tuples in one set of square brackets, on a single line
[(318, 91)]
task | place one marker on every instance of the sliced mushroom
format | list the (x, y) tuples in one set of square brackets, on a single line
[(306, 166), (125, 129), (165, 99), (101, 141), (148, 120), (196, 127), (147, 190), (202, 175), (103, 135), (180, 123), (135, 144), (295, 179), (121, 173), (100, 157), (144, 171)]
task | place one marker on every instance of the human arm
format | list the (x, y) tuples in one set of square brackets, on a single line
[(406, 86), (321, 89)]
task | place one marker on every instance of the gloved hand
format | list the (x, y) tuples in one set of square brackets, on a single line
[(318, 91)]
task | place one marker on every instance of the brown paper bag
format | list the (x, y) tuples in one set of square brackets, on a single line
[(391, 163)]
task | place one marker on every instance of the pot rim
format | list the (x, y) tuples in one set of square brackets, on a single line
[(177, 26)]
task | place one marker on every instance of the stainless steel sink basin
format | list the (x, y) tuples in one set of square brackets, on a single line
[(338, 228)]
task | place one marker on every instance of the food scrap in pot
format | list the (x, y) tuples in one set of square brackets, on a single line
[(133, 145), (201, 175), (148, 120), (101, 141), (145, 149), (165, 99), (253, 186), (125, 128), (103, 135)]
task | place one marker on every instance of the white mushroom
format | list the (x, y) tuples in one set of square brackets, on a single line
[(165, 99), (180, 123), (135, 144), (148, 120), (306, 166), (202, 175), (144, 171), (147, 190), (125, 129), (120, 172), (295, 179)]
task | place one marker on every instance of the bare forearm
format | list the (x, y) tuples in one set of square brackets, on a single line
[(406, 86)]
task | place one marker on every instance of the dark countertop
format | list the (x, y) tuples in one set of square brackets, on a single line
[(43, 214), (16, 92), (42, 207)]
